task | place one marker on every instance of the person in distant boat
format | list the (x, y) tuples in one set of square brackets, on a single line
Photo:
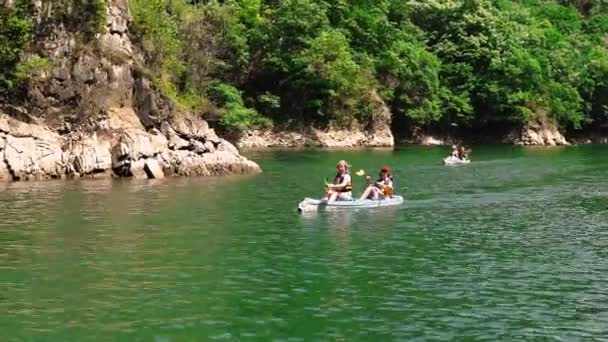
[(383, 188), (342, 187), (463, 153), (455, 152)]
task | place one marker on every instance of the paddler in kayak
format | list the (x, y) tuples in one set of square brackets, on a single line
[(463, 153), (342, 187), (460, 152), (383, 188), (455, 152)]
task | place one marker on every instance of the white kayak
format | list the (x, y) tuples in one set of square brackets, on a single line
[(309, 204), (455, 161)]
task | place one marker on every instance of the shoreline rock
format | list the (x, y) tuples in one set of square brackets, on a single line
[(376, 133), (333, 138), (544, 133), (532, 135), (34, 152)]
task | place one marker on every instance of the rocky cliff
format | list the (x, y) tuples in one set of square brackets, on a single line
[(94, 112)]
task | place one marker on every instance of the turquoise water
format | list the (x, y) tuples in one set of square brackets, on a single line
[(512, 246)]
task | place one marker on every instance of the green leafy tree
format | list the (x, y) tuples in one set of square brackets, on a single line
[(15, 35)]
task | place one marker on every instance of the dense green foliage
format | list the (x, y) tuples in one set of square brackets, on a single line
[(440, 63), (15, 34), (472, 63)]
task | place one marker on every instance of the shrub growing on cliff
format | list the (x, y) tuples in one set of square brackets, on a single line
[(188, 46), (15, 35), (233, 114), (31, 68)]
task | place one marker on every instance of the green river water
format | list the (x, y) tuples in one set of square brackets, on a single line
[(511, 247)]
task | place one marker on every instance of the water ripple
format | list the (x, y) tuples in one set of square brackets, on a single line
[(511, 248)]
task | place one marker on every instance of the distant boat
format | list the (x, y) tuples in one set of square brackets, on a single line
[(451, 161)]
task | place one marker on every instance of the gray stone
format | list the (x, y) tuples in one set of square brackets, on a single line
[(64, 93), (83, 70), (21, 129), (197, 147), (118, 25), (153, 169), (147, 107), (137, 169), (90, 155), (117, 16), (190, 126), (174, 141), (210, 147), (177, 143), (210, 135), (61, 73), (116, 43), (145, 145), (226, 146), (186, 163), (28, 158)]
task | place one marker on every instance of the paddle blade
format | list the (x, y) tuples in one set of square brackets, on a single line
[(360, 173)]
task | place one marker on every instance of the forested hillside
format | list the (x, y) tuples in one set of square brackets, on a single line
[(436, 63)]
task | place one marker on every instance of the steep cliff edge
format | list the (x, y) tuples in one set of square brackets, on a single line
[(91, 109)]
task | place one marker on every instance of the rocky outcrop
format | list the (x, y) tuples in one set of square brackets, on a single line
[(376, 134), (542, 132), (429, 140), (32, 151), (94, 113), (331, 138), (28, 150)]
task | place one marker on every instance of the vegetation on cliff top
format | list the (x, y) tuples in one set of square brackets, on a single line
[(438, 63), (473, 63)]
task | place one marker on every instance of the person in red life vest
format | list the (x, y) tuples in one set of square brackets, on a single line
[(382, 188)]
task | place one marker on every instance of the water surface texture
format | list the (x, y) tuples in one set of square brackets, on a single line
[(513, 246)]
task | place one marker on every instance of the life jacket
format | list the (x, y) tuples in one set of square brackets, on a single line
[(387, 190), (339, 179)]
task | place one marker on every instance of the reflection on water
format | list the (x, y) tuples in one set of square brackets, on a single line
[(512, 246)]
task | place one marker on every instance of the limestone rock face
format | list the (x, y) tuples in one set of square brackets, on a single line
[(29, 151), (153, 169), (541, 133), (330, 138), (94, 113), (191, 127), (89, 155), (429, 140)]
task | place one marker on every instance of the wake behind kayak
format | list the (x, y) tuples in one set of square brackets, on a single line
[(309, 204)]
